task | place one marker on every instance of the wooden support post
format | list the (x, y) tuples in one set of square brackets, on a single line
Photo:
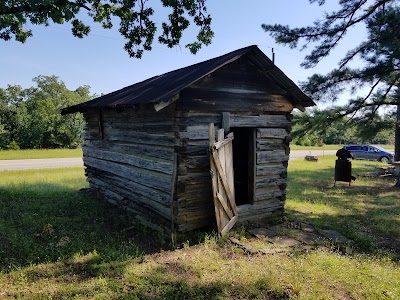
[(226, 122)]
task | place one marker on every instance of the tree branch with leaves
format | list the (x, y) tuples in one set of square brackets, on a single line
[(136, 22)]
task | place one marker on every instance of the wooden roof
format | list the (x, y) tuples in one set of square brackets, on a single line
[(164, 89)]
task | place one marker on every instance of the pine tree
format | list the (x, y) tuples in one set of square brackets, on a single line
[(379, 52)]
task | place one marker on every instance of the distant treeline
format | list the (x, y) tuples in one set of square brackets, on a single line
[(30, 118), (315, 129)]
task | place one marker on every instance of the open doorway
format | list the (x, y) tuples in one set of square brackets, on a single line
[(243, 164)]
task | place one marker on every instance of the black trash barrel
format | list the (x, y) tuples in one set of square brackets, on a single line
[(343, 170)]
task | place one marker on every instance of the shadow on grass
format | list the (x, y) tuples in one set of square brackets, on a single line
[(48, 222), (166, 280), (366, 212)]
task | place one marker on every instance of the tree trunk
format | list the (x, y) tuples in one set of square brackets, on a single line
[(397, 135), (397, 131)]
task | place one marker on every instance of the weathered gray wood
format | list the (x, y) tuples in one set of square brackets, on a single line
[(249, 210), (196, 162), (172, 197), (142, 113), (196, 132), (270, 144), (271, 121), (194, 118), (100, 123), (196, 150), (226, 122), (146, 151), (142, 215), (277, 133), (158, 127), (140, 137), (137, 190), (193, 215), (240, 78), (270, 181), (196, 99), (130, 200), (136, 161), (141, 176), (267, 193), (271, 156), (273, 168), (195, 178)]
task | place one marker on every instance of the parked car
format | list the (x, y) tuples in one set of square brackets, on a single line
[(369, 152)]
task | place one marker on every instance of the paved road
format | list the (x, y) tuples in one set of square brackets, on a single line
[(52, 163), (295, 154), (48, 163)]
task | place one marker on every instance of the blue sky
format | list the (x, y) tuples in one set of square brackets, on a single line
[(100, 61)]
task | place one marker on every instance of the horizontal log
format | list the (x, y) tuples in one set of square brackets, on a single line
[(155, 128), (259, 208), (140, 137), (195, 99), (271, 121), (194, 135), (198, 162), (187, 202), (270, 181), (204, 143), (264, 157), (142, 216), (195, 178), (196, 217), (194, 150), (278, 133), (150, 179), (137, 190), (194, 118), (195, 224), (265, 194), (146, 151), (242, 78), (270, 144), (127, 199), (267, 214), (136, 161), (270, 169), (140, 112), (201, 190)]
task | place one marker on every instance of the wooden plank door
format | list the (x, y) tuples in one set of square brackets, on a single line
[(221, 162)]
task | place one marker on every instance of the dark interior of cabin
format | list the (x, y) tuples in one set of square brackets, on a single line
[(242, 164)]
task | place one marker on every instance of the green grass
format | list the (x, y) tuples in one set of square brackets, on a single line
[(40, 153), (58, 243), (367, 211)]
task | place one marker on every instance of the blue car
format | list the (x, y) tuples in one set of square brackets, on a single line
[(370, 152)]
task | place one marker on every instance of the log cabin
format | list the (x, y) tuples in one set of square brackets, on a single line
[(147, 146)]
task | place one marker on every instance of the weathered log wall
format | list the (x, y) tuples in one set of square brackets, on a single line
[(130, 158), (252, 101), (270, 172), (157, 163)]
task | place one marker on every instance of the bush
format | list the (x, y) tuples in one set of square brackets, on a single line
[(13, 146)]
